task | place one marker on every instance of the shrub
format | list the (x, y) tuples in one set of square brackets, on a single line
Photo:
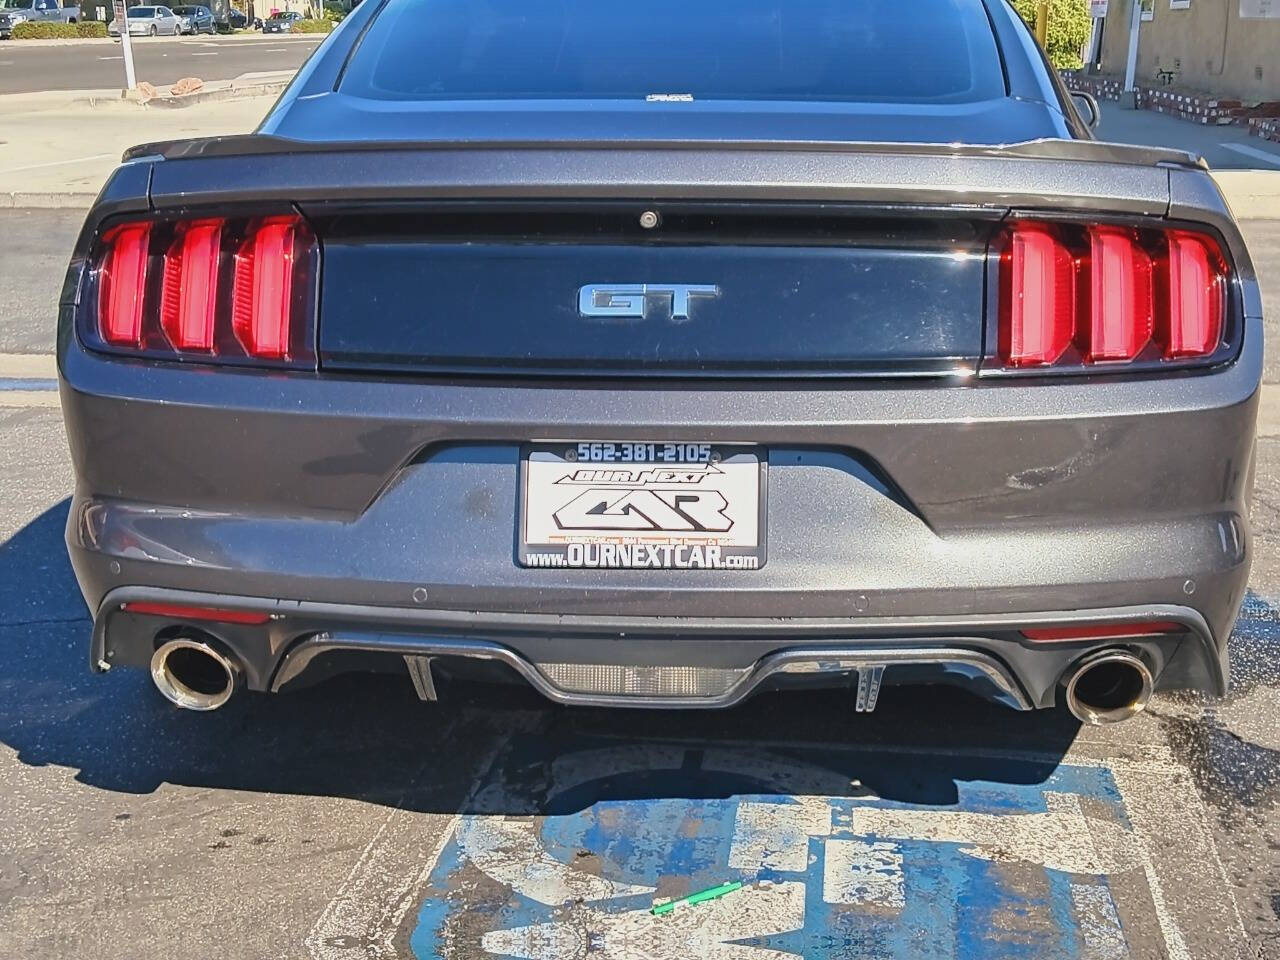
[(334, 11), (1069, 25), (45, 31), (87, 28), (312, 26)]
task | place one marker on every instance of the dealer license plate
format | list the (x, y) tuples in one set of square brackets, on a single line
[(642, 505)]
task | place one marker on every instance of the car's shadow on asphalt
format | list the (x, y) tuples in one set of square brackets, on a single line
[(368, 736)]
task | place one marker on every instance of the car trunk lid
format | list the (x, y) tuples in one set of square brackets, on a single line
[(731, 291)]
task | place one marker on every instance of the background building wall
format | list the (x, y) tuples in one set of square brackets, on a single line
[(1208, 45)]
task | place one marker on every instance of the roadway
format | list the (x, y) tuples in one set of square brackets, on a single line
[(28, 67)]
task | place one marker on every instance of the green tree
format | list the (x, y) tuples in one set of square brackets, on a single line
[(1068, 29)]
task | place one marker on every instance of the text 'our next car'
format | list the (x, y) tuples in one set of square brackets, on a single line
[(813, 343)]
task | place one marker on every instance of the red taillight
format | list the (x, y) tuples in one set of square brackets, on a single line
[(176, 611), (1038, 275), (1098, 631), (1074, 296), (264, 289), (122, 284), (1194, 281), (1120, 295), (189, 295), (230, 290)]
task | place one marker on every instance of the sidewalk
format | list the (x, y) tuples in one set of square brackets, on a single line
[(58, 153)]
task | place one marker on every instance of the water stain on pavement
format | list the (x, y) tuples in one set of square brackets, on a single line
[(1232, 746)]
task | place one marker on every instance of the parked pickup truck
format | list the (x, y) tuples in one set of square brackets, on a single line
[(14, 12)]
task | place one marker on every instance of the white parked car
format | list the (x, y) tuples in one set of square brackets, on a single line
[(148, 22), (14, 12)]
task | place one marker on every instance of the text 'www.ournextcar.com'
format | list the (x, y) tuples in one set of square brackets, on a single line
[(643, 556)]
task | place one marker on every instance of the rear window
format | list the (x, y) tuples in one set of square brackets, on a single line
[(851, 50), (142, 13)]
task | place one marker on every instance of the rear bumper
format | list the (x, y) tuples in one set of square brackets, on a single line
[(664, 662), (898, 513)]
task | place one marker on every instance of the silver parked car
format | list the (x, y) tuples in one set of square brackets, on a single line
[(195, 19), (149, 22)]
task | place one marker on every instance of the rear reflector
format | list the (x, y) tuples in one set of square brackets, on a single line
[(181, 612), (1074, 295), (122, 284), (234, 291), (1094, 631)]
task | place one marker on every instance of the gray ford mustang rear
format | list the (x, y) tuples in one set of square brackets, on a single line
[(660, 356)]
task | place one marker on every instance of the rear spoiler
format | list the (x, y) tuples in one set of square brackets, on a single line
[(1055, 175), (1090, 151)]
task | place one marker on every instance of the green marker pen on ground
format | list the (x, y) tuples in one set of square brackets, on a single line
[(699, 897)]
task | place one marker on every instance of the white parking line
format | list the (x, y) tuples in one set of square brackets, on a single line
[(1269, 412), (59, 163), (204, 54), (1254, 152), (1098, 922), (29, 398), (387, 879), (111, 58), (28, 366), (28, 380)]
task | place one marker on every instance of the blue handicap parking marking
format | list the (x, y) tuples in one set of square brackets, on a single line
[(565, 848)]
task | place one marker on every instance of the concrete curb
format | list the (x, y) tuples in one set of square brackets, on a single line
[(209, 94), (17, 200), (205, 38), (264, 84), (1251, 194)]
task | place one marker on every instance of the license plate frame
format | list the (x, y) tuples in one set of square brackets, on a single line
[(657, 513)]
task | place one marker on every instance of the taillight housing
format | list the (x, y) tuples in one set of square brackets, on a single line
[(1104, 296), (236, 290)]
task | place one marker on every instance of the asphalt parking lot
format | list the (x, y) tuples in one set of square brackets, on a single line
[(349, 820), (92, 64)]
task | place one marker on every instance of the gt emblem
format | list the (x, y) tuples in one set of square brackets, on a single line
[(631, 301)]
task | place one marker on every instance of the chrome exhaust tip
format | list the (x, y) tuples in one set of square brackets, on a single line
[(194, 674), (1110, 687)]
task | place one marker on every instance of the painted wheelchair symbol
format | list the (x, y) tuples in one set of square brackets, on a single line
[(826, 865)]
